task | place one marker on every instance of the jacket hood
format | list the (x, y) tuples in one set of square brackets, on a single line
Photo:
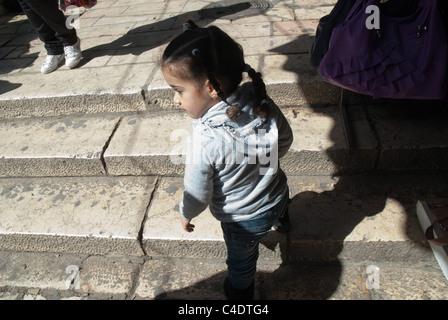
[(246, 122)]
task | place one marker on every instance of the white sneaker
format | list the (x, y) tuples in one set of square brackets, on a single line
[(51, 63), (73, 54)]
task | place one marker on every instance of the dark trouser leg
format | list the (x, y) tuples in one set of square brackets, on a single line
[(49, 22)]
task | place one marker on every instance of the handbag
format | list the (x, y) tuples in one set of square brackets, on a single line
[(406, 58), (440, 213), (64, 4)]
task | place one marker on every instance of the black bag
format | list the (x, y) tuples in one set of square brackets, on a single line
[(443, 8), (340, 11), (399, 8), (325, 28)]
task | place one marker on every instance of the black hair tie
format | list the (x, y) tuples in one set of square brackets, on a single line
[(195, 52)]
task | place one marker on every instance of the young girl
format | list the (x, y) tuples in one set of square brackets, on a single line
[(233, 156)]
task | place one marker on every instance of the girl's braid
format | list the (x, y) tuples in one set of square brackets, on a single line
[(262, 106), (209, 70)]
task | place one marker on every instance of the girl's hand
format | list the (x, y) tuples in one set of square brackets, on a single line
[(186, 225)]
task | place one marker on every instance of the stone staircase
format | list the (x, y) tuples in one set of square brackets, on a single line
[(91, 171)]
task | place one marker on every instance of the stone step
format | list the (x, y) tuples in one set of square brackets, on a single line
[(359, 217), (51, 276), (95, 215), (388, 138), (124, 88), (122, 45)]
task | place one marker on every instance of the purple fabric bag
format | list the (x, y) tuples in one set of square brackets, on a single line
[(406, 58)]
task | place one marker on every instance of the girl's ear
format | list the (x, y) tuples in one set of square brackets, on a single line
[(211, 90)]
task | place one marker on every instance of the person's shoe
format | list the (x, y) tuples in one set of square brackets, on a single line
[(236, 294), (51, 63), (73, 54)]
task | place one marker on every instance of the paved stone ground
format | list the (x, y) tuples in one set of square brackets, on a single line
[(341, 227), (89, 184), (122, 42)]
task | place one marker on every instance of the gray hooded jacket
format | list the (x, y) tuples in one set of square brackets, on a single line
[(233, 166)]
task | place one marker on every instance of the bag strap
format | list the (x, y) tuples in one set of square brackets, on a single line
[(440, 213)]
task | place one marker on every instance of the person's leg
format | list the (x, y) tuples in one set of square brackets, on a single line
[(242, 256), (60, 41), (242, 241), (45, 32), (54, 19)]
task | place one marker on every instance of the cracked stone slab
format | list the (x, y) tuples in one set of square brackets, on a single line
[(94, 215), (403, 281), (358, 218), (349, 218), (69, 146), (192, 279), (37, 270), (163, 234), (155, 144), (77, 273), (113, 275), (148, 145), (181, 279), (319, 146)]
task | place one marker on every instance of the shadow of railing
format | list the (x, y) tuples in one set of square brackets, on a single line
[(147, 37)]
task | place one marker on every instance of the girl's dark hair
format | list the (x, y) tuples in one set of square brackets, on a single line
[(210, 53)]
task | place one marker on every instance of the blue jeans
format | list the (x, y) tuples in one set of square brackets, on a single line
[(242, 241)]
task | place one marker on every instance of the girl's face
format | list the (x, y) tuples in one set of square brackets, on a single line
[(195, 99)]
